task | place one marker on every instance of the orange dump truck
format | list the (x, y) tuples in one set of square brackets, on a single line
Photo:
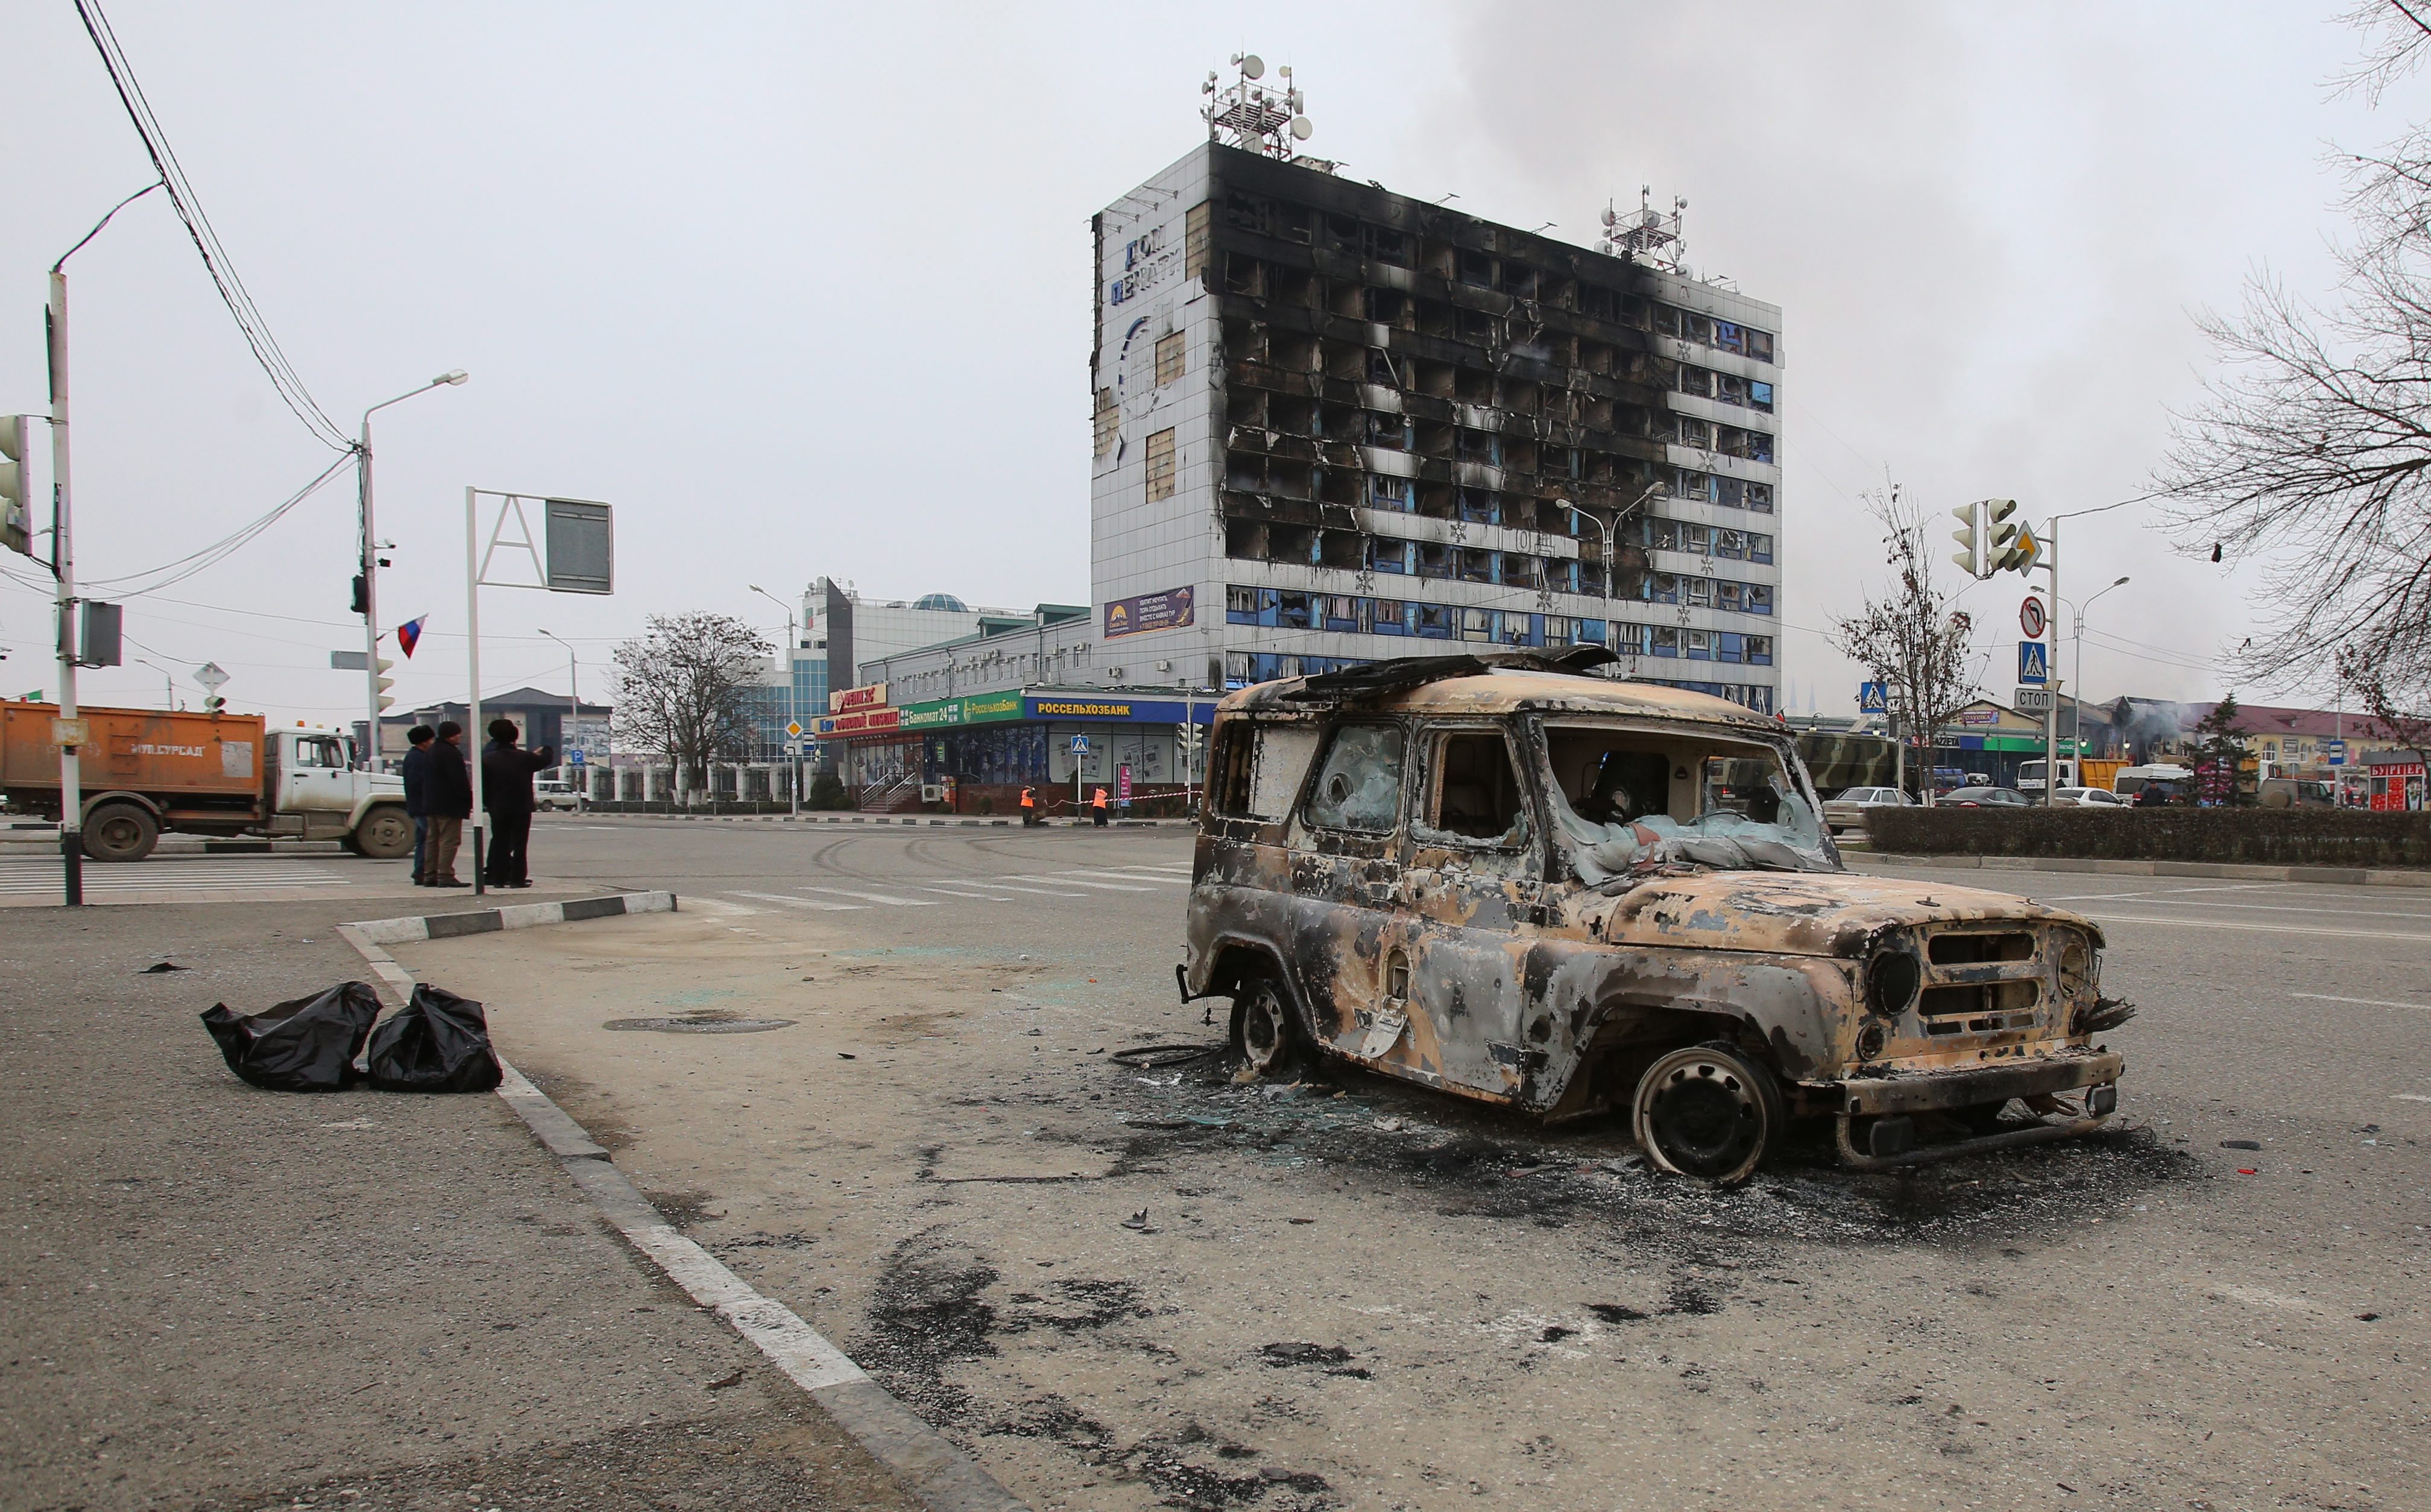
[(145, 771)]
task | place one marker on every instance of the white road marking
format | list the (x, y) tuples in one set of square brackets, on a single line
[(1131, 876), (2264, 929), (801, 902), (999, 884), (2160, 891), (2412, 1096), (2270, 908), (965, 893), (888, 898), (20, 878), (2360, 1002), (1077, 882)]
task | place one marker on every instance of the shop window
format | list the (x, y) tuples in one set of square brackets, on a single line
[(1160, 465), (1358, 785), (1169, 357)]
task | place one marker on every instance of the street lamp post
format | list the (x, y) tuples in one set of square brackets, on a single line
[(573, 709), (2076, 703), (793, 703), (168, 683), (370, 564), (1609, 531)]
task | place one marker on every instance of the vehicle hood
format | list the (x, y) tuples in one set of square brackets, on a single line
[(1831, 914)]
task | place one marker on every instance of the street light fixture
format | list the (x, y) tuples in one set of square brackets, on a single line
[(793, 702), (168, 683), (2076, 704), (370, 562), (1652, 490), (573, 708)]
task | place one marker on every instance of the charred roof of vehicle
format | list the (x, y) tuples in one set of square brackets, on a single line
[(1494, 682)]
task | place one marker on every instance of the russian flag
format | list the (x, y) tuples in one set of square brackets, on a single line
[(409, 633)]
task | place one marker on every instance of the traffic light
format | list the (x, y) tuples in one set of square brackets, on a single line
[(214, 703), (362, 596), (386, 683), (1999, 537), (16, 518), (1970, 536)]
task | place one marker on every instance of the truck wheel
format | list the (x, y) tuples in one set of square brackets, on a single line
[(1710, 1112), (1265, 1030), (385, 833), (120, 831)]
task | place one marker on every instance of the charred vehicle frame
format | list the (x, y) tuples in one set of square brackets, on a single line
[(1500, 876)]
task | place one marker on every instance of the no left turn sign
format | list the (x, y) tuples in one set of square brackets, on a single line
[(2030, 618)]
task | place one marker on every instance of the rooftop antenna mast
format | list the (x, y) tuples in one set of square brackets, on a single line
[(1645, 233), (1265, 119)]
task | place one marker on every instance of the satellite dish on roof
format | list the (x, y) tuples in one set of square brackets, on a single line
[(1252, 66), (1301, 128), (1609, 218)]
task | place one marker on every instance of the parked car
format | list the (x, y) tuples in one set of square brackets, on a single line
[(1495, 877), (2088, 797), (1988, 798), (555, 794), (1848, 810)]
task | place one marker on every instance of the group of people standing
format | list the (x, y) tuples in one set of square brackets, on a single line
[(439, 799)]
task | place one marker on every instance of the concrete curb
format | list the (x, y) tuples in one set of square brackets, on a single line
[(512, 917), (922, 1460), (2342, 876)]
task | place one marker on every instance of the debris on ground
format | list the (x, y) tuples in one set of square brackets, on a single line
[(304, 1045), (438, 1042), (159, 966)]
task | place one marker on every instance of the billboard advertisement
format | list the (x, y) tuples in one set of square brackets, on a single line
[(1144, 612)]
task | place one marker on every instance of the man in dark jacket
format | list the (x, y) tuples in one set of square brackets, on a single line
[(448, 802), (415, 770), (507, 794)]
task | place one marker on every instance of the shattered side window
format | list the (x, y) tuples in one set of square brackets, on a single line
[(1637, 801), (1359, 787), (1476, 796), (1277, 762)]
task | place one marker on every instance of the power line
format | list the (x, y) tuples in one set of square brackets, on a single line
[(249, 320)]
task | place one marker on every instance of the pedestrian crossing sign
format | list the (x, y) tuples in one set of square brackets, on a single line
[(2033, 666), (1874, 697)]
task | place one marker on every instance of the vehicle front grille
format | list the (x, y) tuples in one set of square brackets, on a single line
[(1981, 981)]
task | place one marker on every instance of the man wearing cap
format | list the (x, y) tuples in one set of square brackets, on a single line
[(507, 794)]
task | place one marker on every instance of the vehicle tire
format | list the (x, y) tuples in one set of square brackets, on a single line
[(120, 831), (1267, 1034), (1710, 1112), (385, 833)]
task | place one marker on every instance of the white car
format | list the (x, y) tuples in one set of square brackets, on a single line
[(1848, 810), (557, 795), (2087, 798)]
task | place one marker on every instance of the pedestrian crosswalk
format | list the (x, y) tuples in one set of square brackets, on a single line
[(30, 877), (836, 897)]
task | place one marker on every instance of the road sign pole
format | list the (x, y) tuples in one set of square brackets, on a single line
[(2050, 714)]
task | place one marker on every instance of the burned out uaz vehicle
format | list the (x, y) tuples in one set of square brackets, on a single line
[(1502, 878)]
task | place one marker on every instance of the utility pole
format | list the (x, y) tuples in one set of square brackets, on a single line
[(573, 709), (55, 325), (2050, 661), (794, 699), (368, 564)]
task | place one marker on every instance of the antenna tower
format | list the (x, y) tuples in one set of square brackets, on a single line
[(1646, 232), (1265, 119)]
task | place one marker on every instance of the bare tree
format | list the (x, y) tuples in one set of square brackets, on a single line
[(1910, 637), (683, 687), (2312, 451)]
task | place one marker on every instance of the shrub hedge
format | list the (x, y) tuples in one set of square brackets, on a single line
[(2269, 837)]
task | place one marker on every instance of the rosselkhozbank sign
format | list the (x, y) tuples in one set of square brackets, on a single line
[(975, 709)]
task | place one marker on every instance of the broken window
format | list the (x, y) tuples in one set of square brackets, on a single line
[(1697, 328), (1434, 560), (1701, 593), (1726, 596), (1475, 268), (1692, 432), (1759, 598), (1388, 493), (1196, 238), (1759, 396), (1730, 543), (1481, 506), (1387, 430), (1390, 616), (1759, 344), (1730, 389), (1385, 554), (1631, 639), (1266, 763), (1475, 796), (1694, 379), (1107, 421), (1476, 565), (1341, 548), (1386, 245), (1246, 540), (1624, 799), (1160, 465), (1697, 645), (1759, 497), (1730, 493), (1245, 275), (1387, 307), (1759, 548), (1730, 337), (1435, 621), (1293, 611), (1698, 539), (1241, 605), (1169, 358), (1477, 624), (1341, 611), (1665, 640), (1359, 785), (1759, 650)]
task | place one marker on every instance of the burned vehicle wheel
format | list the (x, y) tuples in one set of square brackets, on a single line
[(1265, 1032), (1709, 1112)]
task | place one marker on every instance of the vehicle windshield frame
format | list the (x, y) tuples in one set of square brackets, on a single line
[(1566, 829)]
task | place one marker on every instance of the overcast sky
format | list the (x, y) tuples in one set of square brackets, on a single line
[(806, 290)]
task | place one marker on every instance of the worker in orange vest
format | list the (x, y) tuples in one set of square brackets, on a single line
[(1029, 806), (1097, 807)]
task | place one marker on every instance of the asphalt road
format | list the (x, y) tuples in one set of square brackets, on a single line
[(1125, 1287)]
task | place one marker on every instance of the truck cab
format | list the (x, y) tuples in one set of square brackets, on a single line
[(315, 792)]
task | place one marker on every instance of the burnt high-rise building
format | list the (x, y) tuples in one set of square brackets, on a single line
[(1334, 424)]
